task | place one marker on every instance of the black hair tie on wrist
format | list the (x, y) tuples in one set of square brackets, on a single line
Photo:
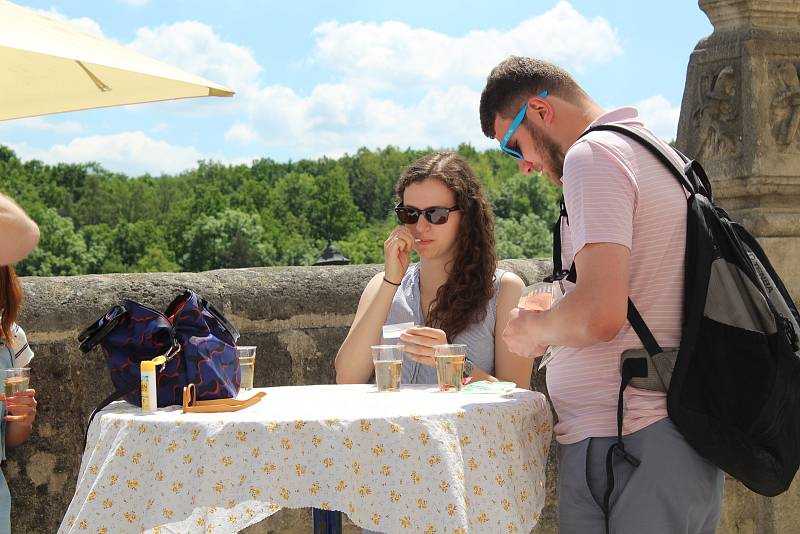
[(388, 282)]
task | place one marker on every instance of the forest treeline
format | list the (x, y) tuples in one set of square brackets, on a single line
[(266, 213)]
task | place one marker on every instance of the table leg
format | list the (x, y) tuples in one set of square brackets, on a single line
[(327, 521)]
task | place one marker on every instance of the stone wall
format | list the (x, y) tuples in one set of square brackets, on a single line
[(297, 316)]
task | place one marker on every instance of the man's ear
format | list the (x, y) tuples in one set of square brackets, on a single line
[(543, 108)]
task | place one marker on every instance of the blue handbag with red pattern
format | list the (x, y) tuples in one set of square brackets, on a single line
[(198, 343)]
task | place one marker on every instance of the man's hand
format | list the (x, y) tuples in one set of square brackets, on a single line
[(520, 334)]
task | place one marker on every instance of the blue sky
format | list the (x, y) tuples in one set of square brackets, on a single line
[(318, 78)]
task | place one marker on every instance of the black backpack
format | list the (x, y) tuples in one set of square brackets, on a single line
[(733, 386)]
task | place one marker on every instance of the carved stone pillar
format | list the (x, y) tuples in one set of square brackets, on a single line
[(740, 117)]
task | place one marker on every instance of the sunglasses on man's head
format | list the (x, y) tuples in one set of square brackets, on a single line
[(513, 128), (409, 215)]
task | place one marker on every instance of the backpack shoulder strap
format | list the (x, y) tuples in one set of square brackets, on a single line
[(656, 150)]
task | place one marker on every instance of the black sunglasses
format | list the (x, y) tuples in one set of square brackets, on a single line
[(409, 215)]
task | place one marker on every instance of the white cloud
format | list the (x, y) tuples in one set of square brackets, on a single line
[(43, 125), (241, 134), (196, 48), (335, 119), (82, 23), (409, 86), (130, 152), (393, 53), (660, 116)]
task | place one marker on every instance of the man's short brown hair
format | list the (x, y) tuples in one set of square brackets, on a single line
[(518, 78)]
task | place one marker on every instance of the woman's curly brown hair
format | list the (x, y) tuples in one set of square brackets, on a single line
[(462, 300), (10, 300)]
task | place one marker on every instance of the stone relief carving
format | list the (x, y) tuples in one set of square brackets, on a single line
[(785, 106), (716, 114)]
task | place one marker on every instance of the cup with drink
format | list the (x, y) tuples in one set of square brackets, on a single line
[(388, 360), (450, 366), (247, 364), (537, 297), (15, 380)]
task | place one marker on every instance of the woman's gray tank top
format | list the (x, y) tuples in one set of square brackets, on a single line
[(478, 337)]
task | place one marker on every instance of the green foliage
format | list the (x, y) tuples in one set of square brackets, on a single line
[(266, 213), (62, 250)]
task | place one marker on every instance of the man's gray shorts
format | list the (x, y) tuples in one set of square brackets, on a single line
[(673, 491)]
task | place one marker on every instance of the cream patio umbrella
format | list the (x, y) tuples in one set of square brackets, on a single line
[(47, 66)]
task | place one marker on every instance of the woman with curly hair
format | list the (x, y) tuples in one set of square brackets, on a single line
[(18, 411), (455, 294)]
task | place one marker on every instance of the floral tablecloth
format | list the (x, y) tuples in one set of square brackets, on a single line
[(412, 461)]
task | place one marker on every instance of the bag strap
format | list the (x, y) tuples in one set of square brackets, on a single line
[(660, 154), (177, 304), (98, 330), (118, 394)]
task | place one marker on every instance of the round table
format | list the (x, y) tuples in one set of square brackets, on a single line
[(417, 460)]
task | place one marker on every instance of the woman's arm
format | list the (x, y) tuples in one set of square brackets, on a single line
[(354, 360), (507, 365)]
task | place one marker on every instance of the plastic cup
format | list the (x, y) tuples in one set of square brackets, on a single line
[(15, 380), (537, 297), (247, 364), (450, 366), (388, 360)]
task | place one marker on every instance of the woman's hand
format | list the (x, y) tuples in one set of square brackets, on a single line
[(22, 407), (419, 343), (396, 253)]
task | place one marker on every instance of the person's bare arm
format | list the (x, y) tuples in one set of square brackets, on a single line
[(354, 360), (507, 365), (18, 233)]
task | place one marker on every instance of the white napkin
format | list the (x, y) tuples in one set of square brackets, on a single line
[(393, 331)]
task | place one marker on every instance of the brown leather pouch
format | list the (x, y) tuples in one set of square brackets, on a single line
[(191, 404)]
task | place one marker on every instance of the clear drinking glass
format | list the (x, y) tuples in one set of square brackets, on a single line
[(15, 379), (388, 360), (450, 366), (247, 364)]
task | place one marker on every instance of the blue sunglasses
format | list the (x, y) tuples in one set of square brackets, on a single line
[(513, 128)]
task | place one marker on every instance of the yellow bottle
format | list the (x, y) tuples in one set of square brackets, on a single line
[(149, 387)]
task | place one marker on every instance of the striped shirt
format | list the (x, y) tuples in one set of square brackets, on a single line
[(617, 192), (19, 353)]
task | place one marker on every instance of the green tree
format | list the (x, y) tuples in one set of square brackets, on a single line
[(61, 250), (528, 237), (228, 239)]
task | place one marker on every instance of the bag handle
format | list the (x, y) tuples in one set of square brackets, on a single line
[(176, 305), (227, 325), (96, 332)]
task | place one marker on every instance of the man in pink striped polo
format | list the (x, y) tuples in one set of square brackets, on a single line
[(625, 232)]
